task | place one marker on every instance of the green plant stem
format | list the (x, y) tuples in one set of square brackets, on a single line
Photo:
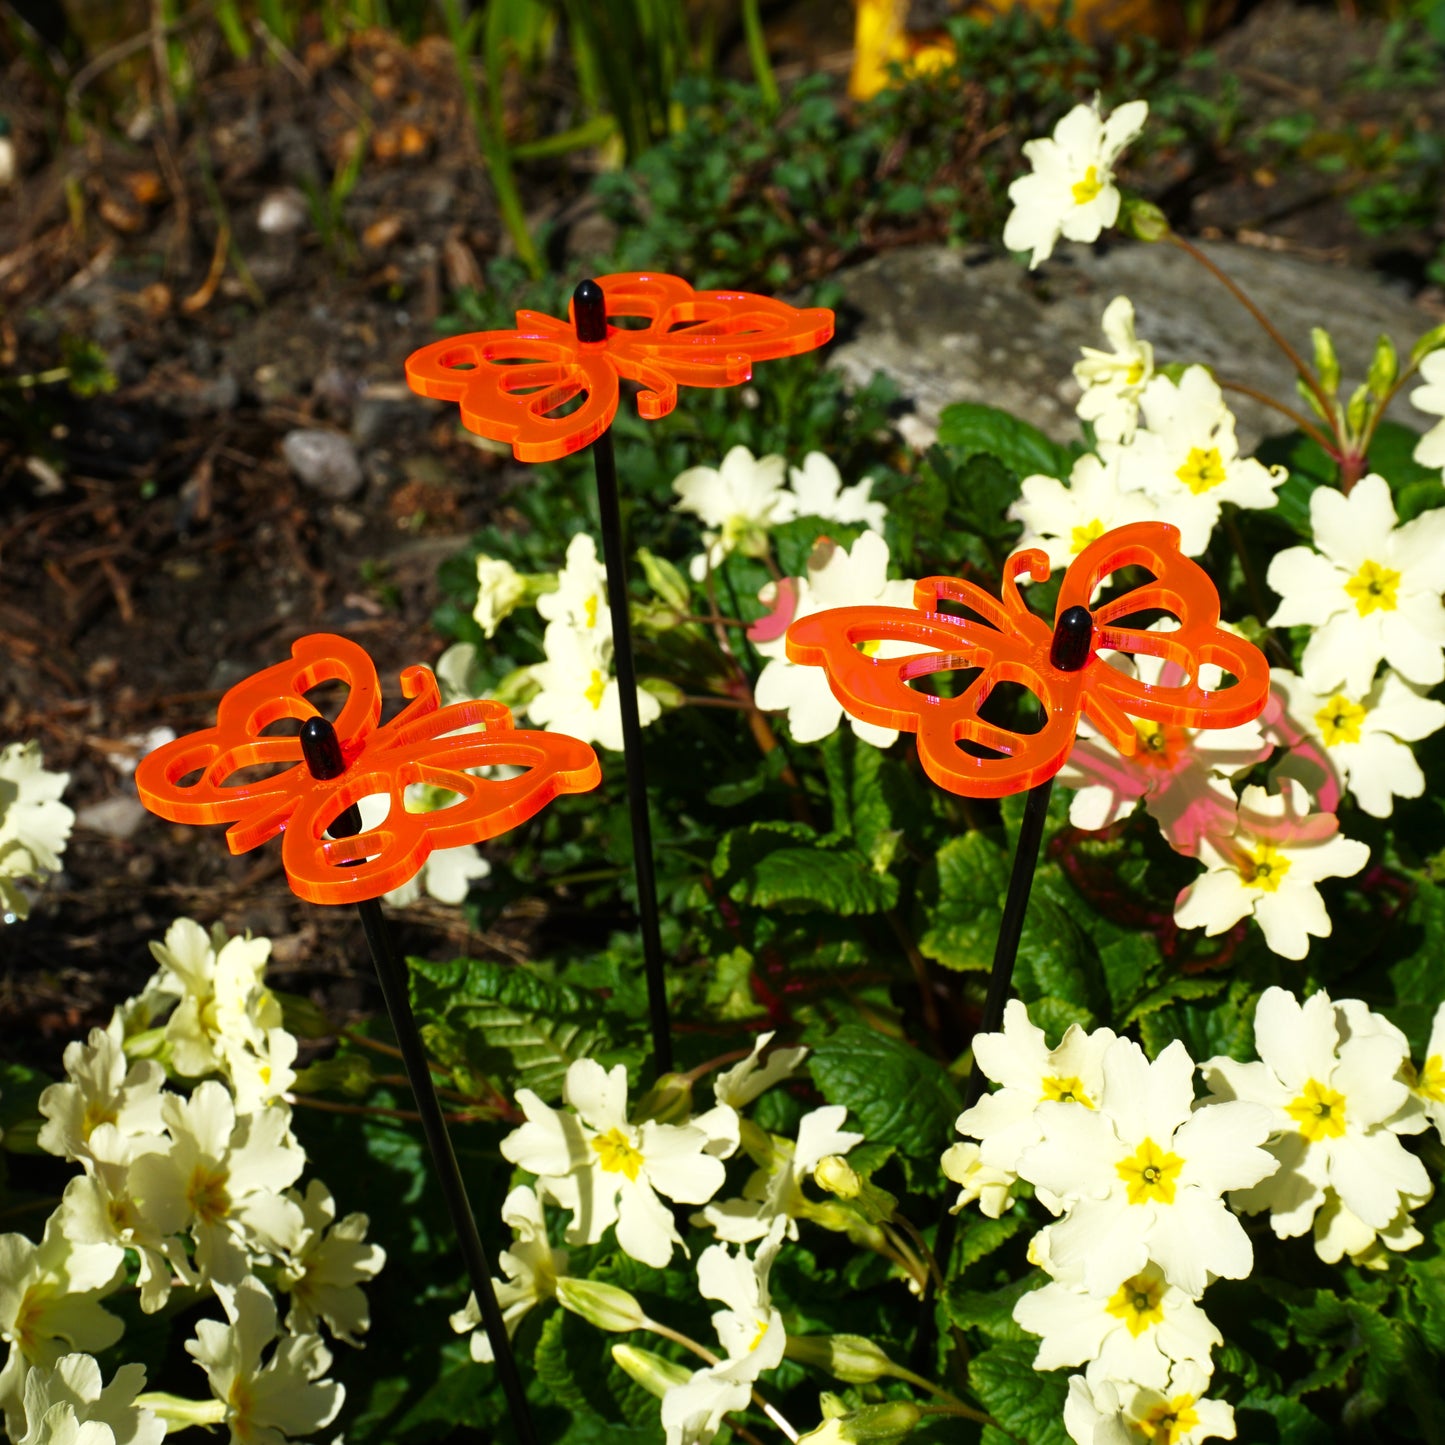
[(737, 704), (955, 1405), (375, 1111), (1325, 443), (925, 1253), (707, 1356), (1257, 599), (1306, 372), (36, 378), (757, 43), (492, 145), (968, 1413)]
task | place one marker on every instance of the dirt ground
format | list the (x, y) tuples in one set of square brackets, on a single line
[(154, 545)]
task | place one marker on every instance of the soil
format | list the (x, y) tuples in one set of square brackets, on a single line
[(154, 545)]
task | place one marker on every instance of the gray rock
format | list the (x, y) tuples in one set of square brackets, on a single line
[(948, 326), (115, 817), (325, 461)]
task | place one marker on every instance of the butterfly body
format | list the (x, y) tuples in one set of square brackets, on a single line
[(510, 385), (1008, 643), (422, 744)]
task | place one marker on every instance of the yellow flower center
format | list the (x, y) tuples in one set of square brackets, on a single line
[(1431, 1084), (1064, 1089), (1160, 744), (1169, 1423), (760, 1336), (1203, 470), (207, 1194), (1139, 1302), (25, 1331), (595, 689), (589, 610), (97, 1112), (1264, 868), (870, 649), (1339, 720), (1373, 588), (617, 1154), (1149, 1174), (265, 1073), (1319, 1112), (1086, 189), (1082, 536), (1135, 374)]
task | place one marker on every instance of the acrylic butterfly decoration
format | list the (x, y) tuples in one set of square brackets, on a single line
[(1009, 643), (512, 386), (422, 744)]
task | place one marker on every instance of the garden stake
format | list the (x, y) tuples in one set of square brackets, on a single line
[(328, 857), (321, 749), (512, 386), (589, 309)]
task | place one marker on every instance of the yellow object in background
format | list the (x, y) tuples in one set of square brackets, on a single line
[(881, 39)]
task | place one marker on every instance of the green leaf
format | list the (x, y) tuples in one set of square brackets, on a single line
[(761, 868), (1028, 1403), (963, 922), (991, 1311), (1126, 963), (898, 1095), (979, 1236), (970, 428), (1292, 1422), (1221, 1025), (1183, 986), (482, 1016)]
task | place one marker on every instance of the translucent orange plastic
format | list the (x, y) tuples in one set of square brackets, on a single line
[(510, 384), (412, 748), (1012, 644)]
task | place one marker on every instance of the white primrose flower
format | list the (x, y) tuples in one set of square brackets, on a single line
[(578, 695), (220, 982), (1114, 380), (50, 1297), (501, 589), (1359, 742), (605, 1170), (1339, 1231), (323, 1272), (1061, 519), (1186, 458), (1179, 773), (1070, 192), (265, 1404), (1140, 1176), (740, 501), (70, 1396), (1113, 1412), (34, 824), (1006, 1122), (750, 1330), (1269, 867), (837, 577), (1430, 449), (223, 1178), (991, 1186), (740, 1085), (104, 1088), (1370, 589), (774, 1190), (447, 873), (1428, 1084), (260, 1073), (532, 1268), (100, 1207), (580, 601), (1331, 1102), (1137, 1333), (818, 486)]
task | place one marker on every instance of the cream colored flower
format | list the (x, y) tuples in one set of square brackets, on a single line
[(580, 600), (1062, 518), (1070, 192), (34, 823), (818, 486), (70, 1397), (577, 692), (1114, 380), (1430, 449), (739, 502), (501, 589), (103, 1087), (1116, 1412), (325, 1269)]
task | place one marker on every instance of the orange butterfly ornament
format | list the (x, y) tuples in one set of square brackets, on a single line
[(422, 744), (512, 385), (1061, 665)]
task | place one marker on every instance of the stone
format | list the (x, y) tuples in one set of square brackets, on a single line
[(115, 817), (949, 325), (325, 461)]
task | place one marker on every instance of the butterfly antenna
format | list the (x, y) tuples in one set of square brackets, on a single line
[(322, 750), (589, 312)]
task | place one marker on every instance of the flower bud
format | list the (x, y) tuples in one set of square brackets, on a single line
[(1327, 364), (1142, 220), (872, 1425), (1432, 340), (1384, 367), (607, 1306), (668, 1101), (655, 1374), (837, 1176), (500, 590), (850, 1358)]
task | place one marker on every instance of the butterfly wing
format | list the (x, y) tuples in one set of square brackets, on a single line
[(423, 745), (260, 808), (511, 385), (1180, 586), (699, 338), (1008, 644)]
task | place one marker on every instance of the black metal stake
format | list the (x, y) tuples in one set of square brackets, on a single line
[(589, 307), (322, 751), (1069, 652)]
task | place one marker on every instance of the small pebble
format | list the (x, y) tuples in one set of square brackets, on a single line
[(282, 212), (116, 817), (325, 461)]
